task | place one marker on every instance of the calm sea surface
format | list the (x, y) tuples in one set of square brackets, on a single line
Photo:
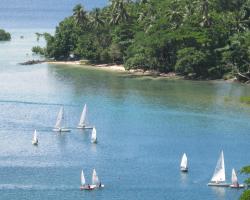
[(143, 126)]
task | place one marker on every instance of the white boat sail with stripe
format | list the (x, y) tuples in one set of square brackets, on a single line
[(184, 163), (83, 119), (234, 179), (95, 180), (35, 139), (93, 136), (219, 176), (59, 121), (85, 186)]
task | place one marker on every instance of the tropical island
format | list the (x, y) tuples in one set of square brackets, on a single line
[(4, 36), (198, 39)]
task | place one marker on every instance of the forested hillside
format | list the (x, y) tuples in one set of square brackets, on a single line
[(196, 38)]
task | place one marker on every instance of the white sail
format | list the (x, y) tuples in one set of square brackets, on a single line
[(184, 161), (35, 139), (83, 182), (82, 121), (234, 178), (219, 172), (59, 118), (95, 179), (35, 136), (93, 136)]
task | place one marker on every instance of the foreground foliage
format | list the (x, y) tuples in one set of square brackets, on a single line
[(197, 38), (4, 36), (246, 194)]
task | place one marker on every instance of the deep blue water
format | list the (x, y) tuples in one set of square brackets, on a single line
[(143, 127)]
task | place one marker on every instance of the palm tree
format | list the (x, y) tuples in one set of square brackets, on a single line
[(206, 21), (175, 14), (146, 15), (96, 18), (80, 15), (242, 19), (119, 12)]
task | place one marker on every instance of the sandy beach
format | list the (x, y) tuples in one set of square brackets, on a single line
[(99, 66), (120, 68)]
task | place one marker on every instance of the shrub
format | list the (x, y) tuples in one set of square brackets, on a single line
[(191, 60), (4, 36)]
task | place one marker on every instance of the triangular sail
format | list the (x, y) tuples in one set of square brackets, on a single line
[(82, 178), (82, 121), (35, 136), (93, 136), (95, 179), (234, 177), (219, 172), (59, 118), (184, 162)]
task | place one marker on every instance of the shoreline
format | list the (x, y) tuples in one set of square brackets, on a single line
[(121, 68), (135, 72)]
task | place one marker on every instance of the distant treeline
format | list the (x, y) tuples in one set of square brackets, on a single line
[(196, 38), (4, 36)]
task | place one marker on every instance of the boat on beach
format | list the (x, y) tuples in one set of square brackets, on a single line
[(83, 185), (59, 121), (83, 119), (184, 163), (235, 183), (93, 136), (219, 176), (95, 180), (35, 139)]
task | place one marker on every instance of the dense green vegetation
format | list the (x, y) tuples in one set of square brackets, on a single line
[(246, 194), (4, 36), (196, 38)]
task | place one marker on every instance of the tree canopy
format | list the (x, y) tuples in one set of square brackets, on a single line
[(4, 36), (246, 194), (197, 38)]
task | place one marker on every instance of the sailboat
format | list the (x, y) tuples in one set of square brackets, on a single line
[(85, 186), (93, 136), (58, 126), (95, 180), (35, 139), (83, 119), (219, 176), (235, 183), (184, 163)]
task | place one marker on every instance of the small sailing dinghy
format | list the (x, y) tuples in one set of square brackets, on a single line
[(184, 163), (60, 118), (95, 180), (235, 183), (219, 176), (83, 119), (93, 136), (85, 186), (35, 139)]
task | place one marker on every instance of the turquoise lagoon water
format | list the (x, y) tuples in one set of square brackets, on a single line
[(143, 127)]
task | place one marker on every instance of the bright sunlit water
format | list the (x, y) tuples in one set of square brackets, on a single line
[(143, 127)]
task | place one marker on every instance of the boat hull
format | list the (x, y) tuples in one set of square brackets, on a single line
[(94, 142), (84, 127), (237, 186), (184, 169), (218, 184), (97, 186), (35, 143), (61, 130), (87, 187)]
